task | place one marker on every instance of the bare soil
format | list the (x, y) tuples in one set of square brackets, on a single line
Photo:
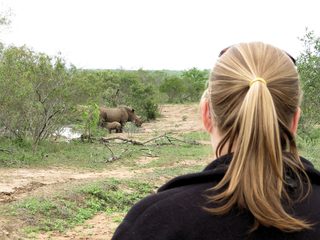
[(19, 183)]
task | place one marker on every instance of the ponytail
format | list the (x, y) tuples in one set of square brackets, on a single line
[(256, 177)]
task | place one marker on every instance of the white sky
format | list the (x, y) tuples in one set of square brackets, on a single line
[(155, 34)]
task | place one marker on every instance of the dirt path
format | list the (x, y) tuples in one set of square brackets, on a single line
[(18, 183)]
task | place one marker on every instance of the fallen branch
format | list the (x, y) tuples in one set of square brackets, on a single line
[(170, 139), (134, 142)]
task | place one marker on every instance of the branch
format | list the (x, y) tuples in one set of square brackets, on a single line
[(113, 157), (45, 124), (134, 142), (155, 138), (183, 141)]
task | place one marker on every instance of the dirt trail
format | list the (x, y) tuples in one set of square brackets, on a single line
[(18, 183)]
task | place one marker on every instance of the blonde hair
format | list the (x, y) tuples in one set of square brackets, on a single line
[(254, 122)]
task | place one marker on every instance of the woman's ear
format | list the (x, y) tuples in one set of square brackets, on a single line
[(206, 115), (295, 121)]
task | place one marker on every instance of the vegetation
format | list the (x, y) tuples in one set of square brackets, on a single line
[(39, 94), (64, 210), (34, 93), (186, 87), (95, 155), (309, 69)]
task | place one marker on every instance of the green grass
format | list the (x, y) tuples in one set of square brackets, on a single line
[(96, 155), (176, 171), (310, 150), (73, 207), (170, 155), (74, 154), (196, 136)]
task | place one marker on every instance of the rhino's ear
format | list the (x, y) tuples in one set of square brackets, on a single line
[(132, 110)]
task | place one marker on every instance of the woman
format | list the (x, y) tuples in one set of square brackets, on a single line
[(257, 187)]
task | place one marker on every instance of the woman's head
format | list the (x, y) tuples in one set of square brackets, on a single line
[(229, 83), (253, 98)]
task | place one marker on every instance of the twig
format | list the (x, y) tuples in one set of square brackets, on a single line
[(113, 156), (5, 150), (155, 138), (110, 150), (183, 141), (169, 140)]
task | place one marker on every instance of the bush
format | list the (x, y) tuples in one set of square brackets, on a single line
[(186, 87), (309, 70), (35, 93)]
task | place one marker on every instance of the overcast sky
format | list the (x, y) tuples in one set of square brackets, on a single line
[(154, 34)]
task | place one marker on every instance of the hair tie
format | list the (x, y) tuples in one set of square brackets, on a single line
[(257, 79)]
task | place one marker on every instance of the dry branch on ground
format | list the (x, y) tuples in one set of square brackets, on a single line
[(170, 140)]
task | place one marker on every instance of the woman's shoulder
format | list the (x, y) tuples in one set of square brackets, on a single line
[(312, 172), (160, 209), (170, 207)]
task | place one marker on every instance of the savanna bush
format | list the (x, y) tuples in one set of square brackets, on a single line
[(309, 69), (35, 93), (185, 87)]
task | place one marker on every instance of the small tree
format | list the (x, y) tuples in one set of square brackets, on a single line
[(90, 116), (309, 70), (194, 80), (35, 93), (175, 88), (143, 100)]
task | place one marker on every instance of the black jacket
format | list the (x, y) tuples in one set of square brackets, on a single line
[(176, 212)]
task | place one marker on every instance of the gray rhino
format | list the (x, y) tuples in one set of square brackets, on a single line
[(120, 115)]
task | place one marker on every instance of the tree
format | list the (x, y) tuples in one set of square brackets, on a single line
[(195, 81), (185, 87), (175, 89), (35, 93), (309, 69)]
